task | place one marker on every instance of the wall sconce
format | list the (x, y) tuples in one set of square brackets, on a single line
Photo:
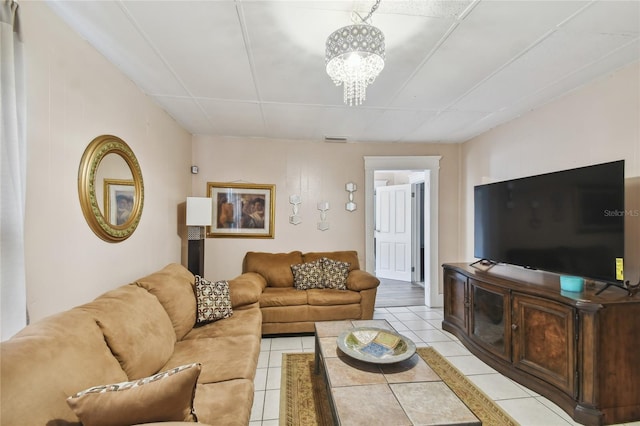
[(323, 206), (294, 219), (198, 216), (350, 188)]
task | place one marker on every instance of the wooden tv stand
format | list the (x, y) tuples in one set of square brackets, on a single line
[(580, 350)]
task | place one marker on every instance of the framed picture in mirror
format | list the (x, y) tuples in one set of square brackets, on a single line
[(119, 198)]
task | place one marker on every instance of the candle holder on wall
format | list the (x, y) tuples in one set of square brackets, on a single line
[(295, 201), (323, 206), (350, 188)]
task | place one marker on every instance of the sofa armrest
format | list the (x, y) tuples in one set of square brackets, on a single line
[(359, 280), (246, 289)]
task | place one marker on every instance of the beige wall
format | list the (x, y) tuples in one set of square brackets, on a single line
[(595, 124), (74, 94), (317, 171)]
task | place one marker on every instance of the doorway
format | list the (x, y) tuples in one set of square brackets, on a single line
[(425, 234)]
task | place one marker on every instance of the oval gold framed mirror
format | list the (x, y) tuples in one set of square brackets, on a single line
[(111, 189)]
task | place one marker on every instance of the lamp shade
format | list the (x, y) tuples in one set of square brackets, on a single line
[(198, 211)]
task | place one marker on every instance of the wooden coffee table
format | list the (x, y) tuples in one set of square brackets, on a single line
[(405, 393)]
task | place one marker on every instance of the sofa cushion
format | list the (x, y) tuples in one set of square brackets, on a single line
[(243, 322), (359, 280), (48, 361), (335, 273), (308, 275), (330, 297), (274, 267), (173, 286), (225, 403), (166, 396), (246, 289), (282, 297), (350, 256), (222, 358), (136, 328), (213, 300)]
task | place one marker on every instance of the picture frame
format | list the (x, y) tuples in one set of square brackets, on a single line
[(241, 210), (119, 199)]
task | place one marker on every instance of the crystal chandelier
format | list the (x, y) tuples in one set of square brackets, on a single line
[(355, 56)]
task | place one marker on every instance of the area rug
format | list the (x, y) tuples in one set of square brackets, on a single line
[(303, 395)]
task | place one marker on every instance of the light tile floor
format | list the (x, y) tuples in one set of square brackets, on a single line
[(423, 326)]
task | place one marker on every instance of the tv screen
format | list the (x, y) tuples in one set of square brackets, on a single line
[(569, 222)]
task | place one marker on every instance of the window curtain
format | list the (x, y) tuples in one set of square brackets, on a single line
[(13, 298)]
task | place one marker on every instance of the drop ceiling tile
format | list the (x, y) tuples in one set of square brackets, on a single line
[(389, 124), (490, 36), (439, 127), (187, 112), (109, 29), (288, 53), (315, 122), (234, 118), (613, 61), (557, 57), (608, 17), (202, 43)]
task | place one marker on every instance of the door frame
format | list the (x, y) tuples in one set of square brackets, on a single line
[(431, 166)]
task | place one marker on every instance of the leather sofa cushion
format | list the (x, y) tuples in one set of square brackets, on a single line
[(282, 297), (173, 286), (136, 328), (329, 297), (350, 256), (274, 267), (222, 358), (50, 360)]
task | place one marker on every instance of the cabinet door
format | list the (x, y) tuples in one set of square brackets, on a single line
[(544, 340), (455, 299), (490, 318)]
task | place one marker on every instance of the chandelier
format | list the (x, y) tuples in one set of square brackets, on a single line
[(355, 56)]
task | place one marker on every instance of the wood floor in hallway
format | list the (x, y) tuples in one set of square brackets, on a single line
[(399, 293)]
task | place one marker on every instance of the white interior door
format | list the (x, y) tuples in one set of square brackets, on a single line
[(393, 232)]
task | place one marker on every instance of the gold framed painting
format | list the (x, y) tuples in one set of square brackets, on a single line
[(119, 197), (242, 210)]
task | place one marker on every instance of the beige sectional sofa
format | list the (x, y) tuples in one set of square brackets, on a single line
[(131, 332), (286, 309)]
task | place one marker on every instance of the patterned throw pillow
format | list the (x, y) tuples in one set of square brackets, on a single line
[(335, 273), (213, 300), (165, 396), (308, 275)]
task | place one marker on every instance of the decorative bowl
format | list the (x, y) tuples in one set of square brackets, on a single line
[(375, 345)]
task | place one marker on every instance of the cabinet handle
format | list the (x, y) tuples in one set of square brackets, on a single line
[(514, 326)]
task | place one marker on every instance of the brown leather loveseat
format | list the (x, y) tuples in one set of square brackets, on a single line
[(286, 308), (129, 333)]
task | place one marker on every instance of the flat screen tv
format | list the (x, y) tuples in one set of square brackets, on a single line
[(569, 222)]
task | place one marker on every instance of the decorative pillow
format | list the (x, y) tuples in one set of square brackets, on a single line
[(335, 273), (213, 300), (308, 275), (166, 396)]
